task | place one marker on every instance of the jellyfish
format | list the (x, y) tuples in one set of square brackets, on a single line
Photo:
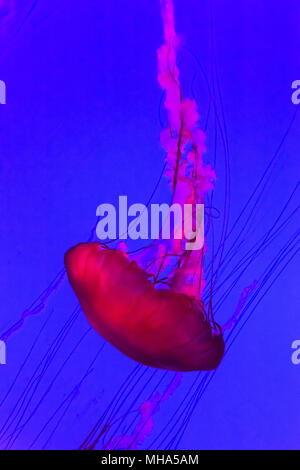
[(155, 314), (130, 415)]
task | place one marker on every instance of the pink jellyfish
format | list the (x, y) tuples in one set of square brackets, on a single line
[(153, 311)]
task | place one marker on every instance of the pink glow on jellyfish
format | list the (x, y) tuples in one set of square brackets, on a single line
[(153, 311)]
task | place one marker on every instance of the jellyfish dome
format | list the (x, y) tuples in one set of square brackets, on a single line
[(152, 310), (157, 327)]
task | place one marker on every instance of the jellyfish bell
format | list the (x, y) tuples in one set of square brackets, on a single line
[(157, 327)]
